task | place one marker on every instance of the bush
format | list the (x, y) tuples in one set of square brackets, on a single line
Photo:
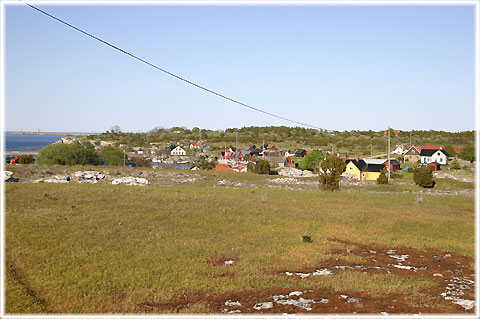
[(28, 159), (112, 156), (455, 165), (423, 177), (410, 170), (330, 170), (382, 179), (203, 163), (262, 167), (76, 153)]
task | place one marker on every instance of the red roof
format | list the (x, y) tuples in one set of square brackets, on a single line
[(418, 148), (199, 143), (455, 149), (395, 131), (222, 167), (376, 134)]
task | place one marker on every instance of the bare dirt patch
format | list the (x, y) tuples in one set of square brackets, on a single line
[(453, 273)]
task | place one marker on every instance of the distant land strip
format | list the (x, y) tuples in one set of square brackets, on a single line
[(11, 153), (48, 133)]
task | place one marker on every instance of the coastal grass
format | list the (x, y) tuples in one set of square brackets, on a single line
[(80, 248)]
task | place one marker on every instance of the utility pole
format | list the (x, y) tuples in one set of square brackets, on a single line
[(388, 151), (410, 138), (123, 158), (236, 142), (200, 130)]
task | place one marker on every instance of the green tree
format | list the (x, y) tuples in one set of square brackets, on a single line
[(262, 167), (330, 170), (112, 156), (423, 177), (312, 160), (75, 153), (382, 179), (468, 153), (203, 163)]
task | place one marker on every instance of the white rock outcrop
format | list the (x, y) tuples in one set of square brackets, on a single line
[(293, 172), (130, 180), (90, 177)]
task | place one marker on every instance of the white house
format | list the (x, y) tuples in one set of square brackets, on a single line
[(434, 156), (178, 151), (400, 149)]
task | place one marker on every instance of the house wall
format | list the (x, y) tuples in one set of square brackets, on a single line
[(370, 176), (412, 158), (351, 170), (438, 157)]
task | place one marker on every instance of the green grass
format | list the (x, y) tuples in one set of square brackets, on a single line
[(80, 247)]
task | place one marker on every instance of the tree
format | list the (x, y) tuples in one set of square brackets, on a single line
[(116, 129), (330, 170), (312, 160), (75, 153), (203, 163), (382, 179), (423, 177), (112, 156), (468, 153), (259, 167)]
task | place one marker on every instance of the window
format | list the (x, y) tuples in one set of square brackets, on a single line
[(351, 168)]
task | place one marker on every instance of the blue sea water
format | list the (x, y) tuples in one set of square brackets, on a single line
[(28, 142)]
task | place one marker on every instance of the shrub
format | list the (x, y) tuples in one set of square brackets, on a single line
[(455, 165), (410, 170), (330, 170), (203, 163), (75, 153), (112, 156), (262, 167), (259, 167), (423, 177), (382, 179), (28, 159), (312, 160)]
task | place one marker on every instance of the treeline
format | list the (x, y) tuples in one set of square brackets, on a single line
[(358, 142)]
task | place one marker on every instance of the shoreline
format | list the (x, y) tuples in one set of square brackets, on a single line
[(47, 133)]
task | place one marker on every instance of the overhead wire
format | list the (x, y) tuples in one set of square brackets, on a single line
[(168, 72)]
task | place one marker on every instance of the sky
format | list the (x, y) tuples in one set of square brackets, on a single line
[(334, 67)]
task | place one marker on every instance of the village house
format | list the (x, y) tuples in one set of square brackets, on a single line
[(412, 154), (399, 149), (360, 170), (178, 151), (439, 156), (394, 164), (198, 144), (300, 152)]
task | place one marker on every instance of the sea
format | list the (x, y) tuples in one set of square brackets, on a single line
[(28, 142)]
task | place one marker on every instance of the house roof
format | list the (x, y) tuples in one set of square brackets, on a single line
[(374, 160), (359, 164), (374, 167), (430, 152), (433, 147)]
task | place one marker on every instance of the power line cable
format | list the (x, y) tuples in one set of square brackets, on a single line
[(168, 72)]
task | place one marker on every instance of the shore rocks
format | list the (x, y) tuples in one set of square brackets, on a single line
[(130, 180)]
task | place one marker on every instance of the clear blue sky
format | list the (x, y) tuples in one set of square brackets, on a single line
[(336, 67)]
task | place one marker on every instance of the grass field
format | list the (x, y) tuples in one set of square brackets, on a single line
[(81, 248)]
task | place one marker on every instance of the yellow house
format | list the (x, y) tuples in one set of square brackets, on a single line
[(352, 170), (362, 171)]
